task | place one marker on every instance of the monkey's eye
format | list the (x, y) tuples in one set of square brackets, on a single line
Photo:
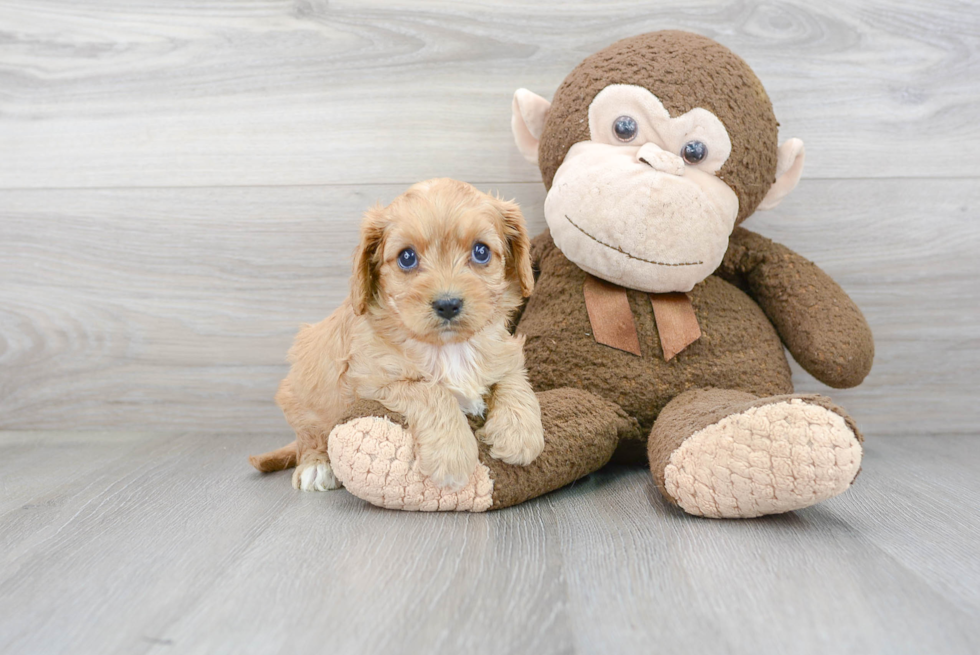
[(407, 259), (694, 152), (625, 128), (481, 253)]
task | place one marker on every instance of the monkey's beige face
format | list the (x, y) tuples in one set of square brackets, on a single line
[(639, 204), (441, 267)]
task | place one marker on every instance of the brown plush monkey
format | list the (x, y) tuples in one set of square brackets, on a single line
[(656, 330)]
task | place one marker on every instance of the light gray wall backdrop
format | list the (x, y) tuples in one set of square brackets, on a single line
[(180, 185)]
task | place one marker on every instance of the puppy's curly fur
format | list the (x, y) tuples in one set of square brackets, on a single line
[(388, 341)]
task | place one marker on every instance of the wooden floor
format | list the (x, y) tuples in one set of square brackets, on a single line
[(180, 187), (126, 543)]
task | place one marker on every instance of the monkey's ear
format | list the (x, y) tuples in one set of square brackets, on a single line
[(519, 266), (529, 112), (364, 280), (789, 168)]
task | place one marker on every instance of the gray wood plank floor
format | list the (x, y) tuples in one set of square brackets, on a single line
[(126, 543)]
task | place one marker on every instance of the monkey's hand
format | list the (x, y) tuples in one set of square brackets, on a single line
[(822, 327)]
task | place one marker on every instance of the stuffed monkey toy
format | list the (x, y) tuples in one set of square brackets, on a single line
[(656, 330)]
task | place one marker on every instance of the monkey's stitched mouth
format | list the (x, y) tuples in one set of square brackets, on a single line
[(623, 252)]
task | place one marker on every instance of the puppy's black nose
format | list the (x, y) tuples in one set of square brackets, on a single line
[(448, 308)]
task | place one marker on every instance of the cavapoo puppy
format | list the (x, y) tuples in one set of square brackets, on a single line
[(437, 276)]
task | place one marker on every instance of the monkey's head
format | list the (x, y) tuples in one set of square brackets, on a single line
[(652, 151)]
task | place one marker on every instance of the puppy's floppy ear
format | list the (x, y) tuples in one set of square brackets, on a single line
[(515, 233), (364, 281)]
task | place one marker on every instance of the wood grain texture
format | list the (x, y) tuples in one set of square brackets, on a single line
[(163, 292), (107, 94), (807, 582), (175, 545), (174, 308)]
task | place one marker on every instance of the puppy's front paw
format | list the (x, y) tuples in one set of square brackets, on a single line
[(450, 462), (514, 434), (315, 475)]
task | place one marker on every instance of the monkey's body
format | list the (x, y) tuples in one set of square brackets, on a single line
[(737, 371), (564, 353)]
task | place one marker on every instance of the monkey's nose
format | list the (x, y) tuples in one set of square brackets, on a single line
[(659, 159), (447, 308)]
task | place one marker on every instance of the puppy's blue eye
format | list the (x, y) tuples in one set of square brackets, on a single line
[(625, 128), (481, 253), (407, 259)]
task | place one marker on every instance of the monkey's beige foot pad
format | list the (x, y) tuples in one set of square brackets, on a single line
[(765, 460), (377, 461)]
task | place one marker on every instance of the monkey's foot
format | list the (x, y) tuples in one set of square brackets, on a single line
[(377, 461), (774, 455), (376, 457)]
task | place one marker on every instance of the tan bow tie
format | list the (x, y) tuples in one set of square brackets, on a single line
[(612, 319)]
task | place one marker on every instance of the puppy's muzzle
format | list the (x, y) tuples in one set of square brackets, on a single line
[(447, 308)]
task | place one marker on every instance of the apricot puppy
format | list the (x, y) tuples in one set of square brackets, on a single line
[(437, 276)]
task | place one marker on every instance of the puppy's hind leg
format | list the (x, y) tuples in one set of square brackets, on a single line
[(313, 471), (316, 476)]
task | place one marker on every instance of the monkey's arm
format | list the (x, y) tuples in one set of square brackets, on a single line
[(822, 327)]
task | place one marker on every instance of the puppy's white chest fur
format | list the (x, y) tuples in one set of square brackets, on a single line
[(457, 366)]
